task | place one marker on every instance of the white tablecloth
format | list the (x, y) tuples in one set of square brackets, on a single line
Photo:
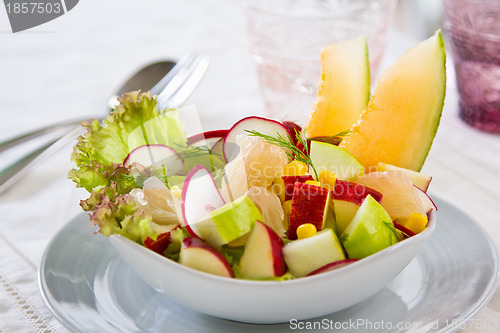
[(68, 67)]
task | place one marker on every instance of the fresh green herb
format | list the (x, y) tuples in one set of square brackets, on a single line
[(344, 237), (334, 139), (198, 152), (391, 227), (291, 149)]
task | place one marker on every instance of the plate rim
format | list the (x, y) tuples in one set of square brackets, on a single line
[(473, 309)]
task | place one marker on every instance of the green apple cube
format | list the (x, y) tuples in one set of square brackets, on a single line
[(229, 222), (343, 165), (370, 231), (305, 255), (344, 213)]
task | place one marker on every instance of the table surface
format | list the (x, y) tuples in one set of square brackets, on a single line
[(68, 68)]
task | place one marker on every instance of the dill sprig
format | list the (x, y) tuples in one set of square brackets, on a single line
[(333, 139), (391, 226), (286, 142), (198, 151)]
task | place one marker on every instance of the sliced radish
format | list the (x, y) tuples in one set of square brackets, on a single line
[(262, 125), (426, 200), (207, 138), (218, 148), (200, 196), (155, 155)]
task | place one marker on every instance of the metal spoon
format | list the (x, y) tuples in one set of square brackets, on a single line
[(144, 79), (171, 89)]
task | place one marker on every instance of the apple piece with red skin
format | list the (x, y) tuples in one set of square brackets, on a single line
[(306, 255), (263, 256), (347, 197), (199, 197), (333, 266), (155, 155), (160, 244), (309, 205), (294, 130), (198, 255), (262, 125), (403, 229), (290, 181), (206, 136)]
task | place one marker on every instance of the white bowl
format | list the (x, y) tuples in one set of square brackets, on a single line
[(266, 302)]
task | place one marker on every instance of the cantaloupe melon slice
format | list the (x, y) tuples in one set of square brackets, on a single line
[(344, 89), (403, 115)]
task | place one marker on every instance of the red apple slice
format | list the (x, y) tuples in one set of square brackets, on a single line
[(403, 229), (198, 255), (160, 244), (353, 192), (262, 125), (309, 205), (347, 197), (289, 182), (294, 130), (155, 155), (332, 266), (263, 256), (200, 196), (207, 138)]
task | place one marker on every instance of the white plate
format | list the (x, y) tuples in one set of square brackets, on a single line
[(90, 288)]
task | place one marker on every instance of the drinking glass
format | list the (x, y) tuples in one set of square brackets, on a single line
[(287, 36), (473, 29)]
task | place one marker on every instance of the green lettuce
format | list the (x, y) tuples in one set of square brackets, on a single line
[(122, 216), (100, 152), (174, 248)]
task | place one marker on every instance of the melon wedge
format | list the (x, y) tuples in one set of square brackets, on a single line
[(403, 115), (344, 89)]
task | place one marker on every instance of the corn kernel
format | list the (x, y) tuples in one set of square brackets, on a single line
[(416, 222), (295, 168), (287, 208), (278, 188), (313, 182), (327, 179), (306, 230)]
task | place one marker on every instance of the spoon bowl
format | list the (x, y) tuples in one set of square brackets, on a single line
[(144, 79)]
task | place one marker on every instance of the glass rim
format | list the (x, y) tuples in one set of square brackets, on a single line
[(451, 29), (383, 3)]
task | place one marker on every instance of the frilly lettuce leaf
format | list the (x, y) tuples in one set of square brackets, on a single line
[(101, 151), (122, 216)]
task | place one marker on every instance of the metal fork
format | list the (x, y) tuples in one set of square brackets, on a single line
[(172, 90)]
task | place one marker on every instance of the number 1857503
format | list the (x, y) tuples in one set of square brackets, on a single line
[(34, 7)]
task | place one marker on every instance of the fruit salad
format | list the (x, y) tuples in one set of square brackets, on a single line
[(270, 200)]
